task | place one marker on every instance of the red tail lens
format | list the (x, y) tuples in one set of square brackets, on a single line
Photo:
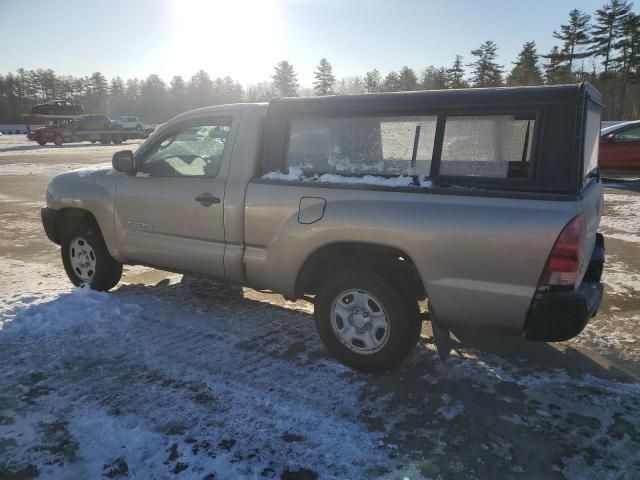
[(563, 264)]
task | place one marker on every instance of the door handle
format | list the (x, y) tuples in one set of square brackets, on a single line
[(206, 199)]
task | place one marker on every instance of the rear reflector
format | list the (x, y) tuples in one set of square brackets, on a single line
[(563, 264)]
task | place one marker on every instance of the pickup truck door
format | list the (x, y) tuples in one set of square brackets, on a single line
[(170, 214)]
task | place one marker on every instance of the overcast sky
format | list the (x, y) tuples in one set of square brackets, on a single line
[(245, 38)]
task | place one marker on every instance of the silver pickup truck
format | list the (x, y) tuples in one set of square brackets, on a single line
[(485, 202)]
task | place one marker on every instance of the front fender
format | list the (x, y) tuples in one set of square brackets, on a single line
[(92, 190)]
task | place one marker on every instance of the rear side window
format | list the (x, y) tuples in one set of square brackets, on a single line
[(488, 146), (591, 140), (362, 145)]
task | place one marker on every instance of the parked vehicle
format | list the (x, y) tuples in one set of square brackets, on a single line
[(58, 107), (91, 122), (127, 123), (620, 148), (93, 127), (486, 202)]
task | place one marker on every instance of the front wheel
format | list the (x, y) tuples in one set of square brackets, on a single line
[(57, 140), (365, 322), (86, 259)]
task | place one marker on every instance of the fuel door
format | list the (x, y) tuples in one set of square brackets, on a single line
[(311, 209)]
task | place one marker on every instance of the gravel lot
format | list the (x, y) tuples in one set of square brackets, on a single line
[(173, 376)]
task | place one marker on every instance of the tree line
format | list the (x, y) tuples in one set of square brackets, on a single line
[(603, 48)]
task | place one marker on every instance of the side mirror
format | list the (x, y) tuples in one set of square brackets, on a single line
[(123, 161), (611, 137)]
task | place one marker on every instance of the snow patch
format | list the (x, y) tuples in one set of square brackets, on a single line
[(624, 217), (297, 174)]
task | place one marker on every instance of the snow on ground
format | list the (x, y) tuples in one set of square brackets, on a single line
[(15, 169), (188, 378), (619, 279), (21, 146), (622, 218)]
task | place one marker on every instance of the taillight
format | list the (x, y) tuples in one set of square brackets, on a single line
[(563, 264)]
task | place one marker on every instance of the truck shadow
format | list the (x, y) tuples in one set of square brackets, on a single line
[(205, 295)]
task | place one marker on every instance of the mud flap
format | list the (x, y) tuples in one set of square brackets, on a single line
[(441, 335)]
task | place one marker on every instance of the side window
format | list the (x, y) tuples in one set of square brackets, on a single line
[(591, 140), (628, 135), (194, 151), (488, 146), (362, 145)]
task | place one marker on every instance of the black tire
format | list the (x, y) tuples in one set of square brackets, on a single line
[(107, 270), (105, 139), (402, 313), (57, 140), (41, 142), (117, 139)]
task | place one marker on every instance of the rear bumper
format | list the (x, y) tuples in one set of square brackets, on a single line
[(49, 218), (556, 316)]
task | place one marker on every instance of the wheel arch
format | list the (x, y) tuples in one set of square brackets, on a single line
[(380, 258), (73, 215)]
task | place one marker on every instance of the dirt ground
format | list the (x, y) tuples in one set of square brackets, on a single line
[(175, 376)]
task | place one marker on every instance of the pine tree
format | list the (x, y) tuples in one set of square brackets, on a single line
[(373, 81), (391, 82), (407, 80), (261, 92), (285, 80), (232, 91), (627, 63), (97, 87), (455, 74), (556, 70), (200, 90), (153, 99), (116, 97), (486, 72), (607, 29), (178, 95), (526, 70), (351, 86), (434, 78), (574, 36), (325, 80)]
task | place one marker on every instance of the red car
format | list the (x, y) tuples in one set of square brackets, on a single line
[(620, 148)]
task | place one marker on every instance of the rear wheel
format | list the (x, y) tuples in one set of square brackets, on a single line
[(86, 259), (365, 322), (57, 140), (105, 139), (117, 139), (41, 142)]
